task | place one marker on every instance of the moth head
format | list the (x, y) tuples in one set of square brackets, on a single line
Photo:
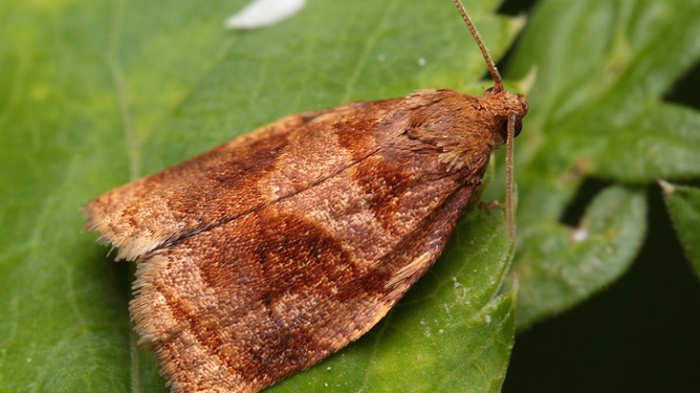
[(506, 107), (513, 110)]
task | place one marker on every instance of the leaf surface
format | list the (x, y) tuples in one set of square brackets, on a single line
[(684, 207)]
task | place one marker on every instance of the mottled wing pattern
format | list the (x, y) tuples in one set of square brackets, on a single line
[(270, 294), (227, 181)]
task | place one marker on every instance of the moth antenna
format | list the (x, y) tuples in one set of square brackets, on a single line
[(498, 85), (510, 219)]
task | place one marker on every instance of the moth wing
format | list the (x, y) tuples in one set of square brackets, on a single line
[(252, 301), (239, 176), (263, 256)]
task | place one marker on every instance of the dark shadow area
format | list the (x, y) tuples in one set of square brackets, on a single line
[(685, 90), (640, 335), (516, 7), (577, 208)]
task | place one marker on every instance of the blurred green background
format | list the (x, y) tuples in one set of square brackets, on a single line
[(642, 334)]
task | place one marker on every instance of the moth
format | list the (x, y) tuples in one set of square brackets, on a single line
[(261, 257)]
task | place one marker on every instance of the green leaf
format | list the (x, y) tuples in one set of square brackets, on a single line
[(684, 207), (568, 265), (95, 93), (597, 110)]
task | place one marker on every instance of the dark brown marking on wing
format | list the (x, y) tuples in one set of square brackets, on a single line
[(385, 180)]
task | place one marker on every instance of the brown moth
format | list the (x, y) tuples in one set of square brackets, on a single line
[(263, 256)]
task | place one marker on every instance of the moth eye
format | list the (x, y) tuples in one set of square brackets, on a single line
[(518, 125), (504, 128)]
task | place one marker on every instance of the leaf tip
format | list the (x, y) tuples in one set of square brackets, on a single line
[(666, 187)]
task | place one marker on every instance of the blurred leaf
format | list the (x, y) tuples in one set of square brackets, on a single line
[(597, 111), (94, 93), (569, 265), (684, 207)]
